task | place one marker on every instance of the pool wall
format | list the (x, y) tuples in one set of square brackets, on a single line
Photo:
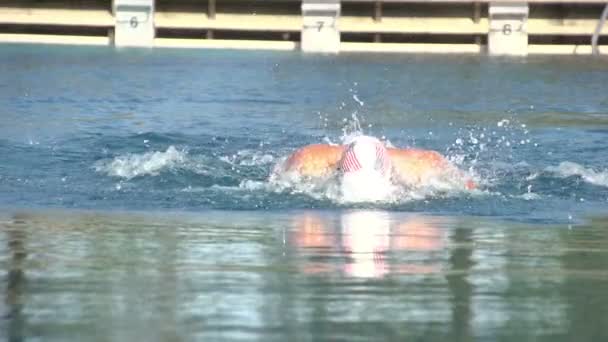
[(326, 26)]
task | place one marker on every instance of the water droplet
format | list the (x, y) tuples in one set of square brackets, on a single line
[(502, 122), (356, 98)]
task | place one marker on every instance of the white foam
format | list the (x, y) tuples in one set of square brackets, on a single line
[(365, 186), (529, 196), (256, 159), (249, 158), (567, 169), (132, 165)]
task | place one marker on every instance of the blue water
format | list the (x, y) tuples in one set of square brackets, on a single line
[(98, 128), (135, 202)]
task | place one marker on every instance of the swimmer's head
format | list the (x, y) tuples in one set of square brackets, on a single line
[(365, 170)]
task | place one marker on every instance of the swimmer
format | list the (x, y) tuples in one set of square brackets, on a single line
[(364, 160)]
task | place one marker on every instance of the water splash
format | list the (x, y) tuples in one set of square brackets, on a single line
[(485, 150), (132, 165), (529, 195), (351, 127), (358, 100)]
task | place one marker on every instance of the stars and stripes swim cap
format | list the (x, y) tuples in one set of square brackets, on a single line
[(365, 153)]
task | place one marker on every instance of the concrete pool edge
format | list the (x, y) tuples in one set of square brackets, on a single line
[(180, 43)]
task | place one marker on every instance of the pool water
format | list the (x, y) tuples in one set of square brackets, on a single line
[(135, 200)]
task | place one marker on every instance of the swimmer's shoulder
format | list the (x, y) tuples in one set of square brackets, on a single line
[(415, 155), (414, 165), (324, 148), (317, 151), (315, 159)]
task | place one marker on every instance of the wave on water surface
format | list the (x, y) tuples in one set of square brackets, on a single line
[(568, 169)]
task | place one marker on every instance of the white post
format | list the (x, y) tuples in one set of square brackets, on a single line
[(508, 28), (320, 32), (134, 22)]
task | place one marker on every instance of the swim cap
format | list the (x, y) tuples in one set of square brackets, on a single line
[(365, 170), (365, 153)]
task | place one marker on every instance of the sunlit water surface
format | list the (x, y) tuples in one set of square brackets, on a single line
[(135, 200)]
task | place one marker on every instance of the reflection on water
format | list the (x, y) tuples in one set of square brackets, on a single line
[(364, 239), (351, 275), (15, 284)]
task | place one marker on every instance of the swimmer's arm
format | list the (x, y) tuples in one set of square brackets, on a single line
[(452, 171)]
